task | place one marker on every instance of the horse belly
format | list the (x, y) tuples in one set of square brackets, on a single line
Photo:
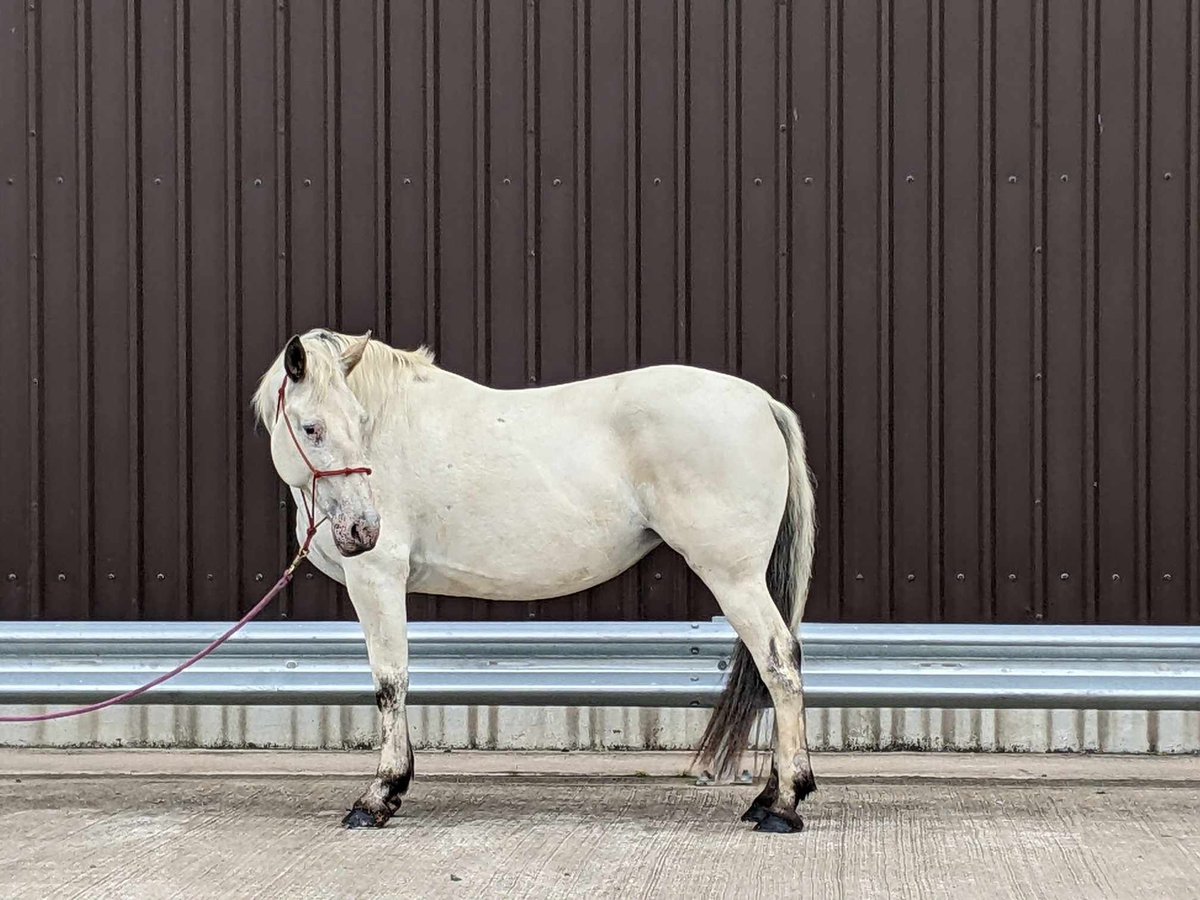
[(530, 567)]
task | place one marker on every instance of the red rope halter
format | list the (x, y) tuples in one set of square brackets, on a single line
[(310, 509), (284, 580)]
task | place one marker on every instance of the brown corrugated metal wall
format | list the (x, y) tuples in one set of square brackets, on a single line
[(957, 236)]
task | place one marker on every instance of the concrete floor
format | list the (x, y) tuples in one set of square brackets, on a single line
[(150, 824)]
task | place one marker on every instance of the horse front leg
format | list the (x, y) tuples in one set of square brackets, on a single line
[(378, 595)]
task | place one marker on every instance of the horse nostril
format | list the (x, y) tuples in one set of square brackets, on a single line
[(356, 532)]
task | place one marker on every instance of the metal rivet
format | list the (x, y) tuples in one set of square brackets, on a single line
[(1166, 176), (556, 182), (112, 576), (308, 575), (1167, 576), (1012, 179), (758, 182), (783, 127), (308, 182), (808, 179), (694, 703), (858, 577), (209, 576), (695, 678), (658, 181), (32, 131), (1116, 577), (12, 576), (1038, 616), (158, 181), (258, 182), (257, 577), (1065, 576), (1012, 576), (1063, 178), (658, 576), (408, 181), (62, 576), (161, 576), (722, 664), (59, 179), (11, 181), (961, 576), (1037, 376), (912, 577), (695, 651), (291, 663), (910, 178), (507, 181), (1037, 249)]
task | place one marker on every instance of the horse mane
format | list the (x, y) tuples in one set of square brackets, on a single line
[(374, 380)]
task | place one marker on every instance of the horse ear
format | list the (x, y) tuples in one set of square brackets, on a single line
[(295, 359), (353, 354)]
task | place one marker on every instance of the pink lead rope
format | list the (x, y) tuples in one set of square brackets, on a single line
[(310, 510)]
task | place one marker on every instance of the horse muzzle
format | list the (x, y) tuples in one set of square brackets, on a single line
[(353, 535)]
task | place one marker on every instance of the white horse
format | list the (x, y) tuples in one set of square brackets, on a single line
[(537, 493)]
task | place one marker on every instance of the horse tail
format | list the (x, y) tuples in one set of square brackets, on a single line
[(789, 572)]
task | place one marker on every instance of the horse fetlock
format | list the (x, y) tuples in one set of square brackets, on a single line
[(804, 784), (393, 786)]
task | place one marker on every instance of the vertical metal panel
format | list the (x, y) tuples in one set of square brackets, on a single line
[(912, 358), (1013, 305), (957, 237), (18, 307), (965, 287), (61, 341), (1118, 189), (1165, 363), (1066, 121)]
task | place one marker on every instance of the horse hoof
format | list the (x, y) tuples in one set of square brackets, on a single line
[(364, 818), (773, 823), (755, 814)]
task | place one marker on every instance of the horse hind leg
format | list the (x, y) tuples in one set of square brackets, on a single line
[(771, 653)]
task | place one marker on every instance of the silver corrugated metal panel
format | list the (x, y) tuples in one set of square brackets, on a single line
[(658, 664), (601, 728)]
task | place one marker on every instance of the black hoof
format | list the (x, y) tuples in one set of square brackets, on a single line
[(773, 823), (755, 813), (364, 818)]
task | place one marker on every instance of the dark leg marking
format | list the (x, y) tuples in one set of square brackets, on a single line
[(804, 785), (761, 805), (386, 695), (374, 813), (397, 783)]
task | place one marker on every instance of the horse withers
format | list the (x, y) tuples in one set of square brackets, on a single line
[(538, 493)]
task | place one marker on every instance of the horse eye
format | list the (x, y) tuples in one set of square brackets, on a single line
[(310, 430)]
